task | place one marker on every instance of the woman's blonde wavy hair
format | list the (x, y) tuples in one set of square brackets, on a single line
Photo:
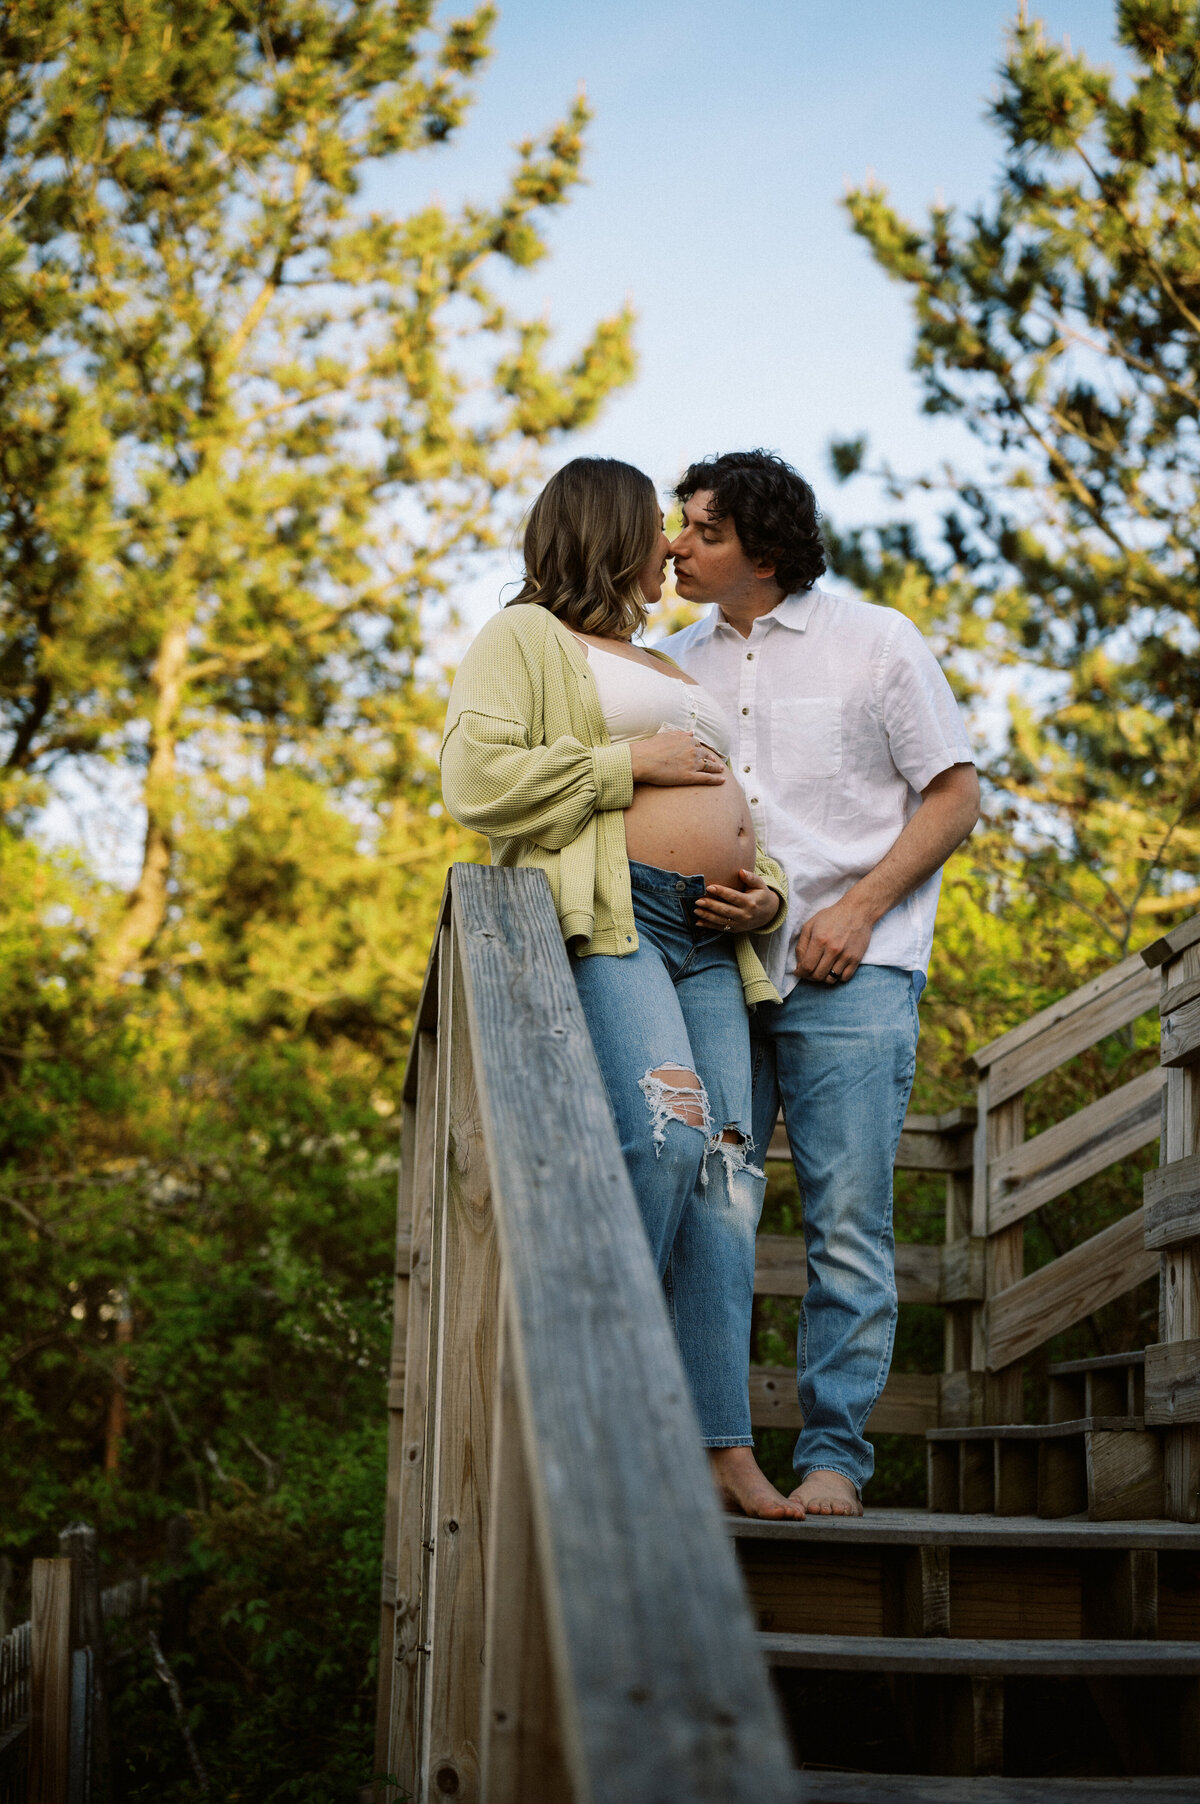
[(589, 533)]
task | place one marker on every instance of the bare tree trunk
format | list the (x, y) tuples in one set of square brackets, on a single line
[(147, 904)]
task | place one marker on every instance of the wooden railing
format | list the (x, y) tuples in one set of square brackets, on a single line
[(53, 1712), (563, 1617), (1172, 1223), (996, 1179), (1015, 1176)]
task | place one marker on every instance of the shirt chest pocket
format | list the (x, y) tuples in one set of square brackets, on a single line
[(806, 737)]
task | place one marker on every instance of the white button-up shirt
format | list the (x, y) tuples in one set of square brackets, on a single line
[(841, 716)]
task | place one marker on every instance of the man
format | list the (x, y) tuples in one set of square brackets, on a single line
[(859, 774)]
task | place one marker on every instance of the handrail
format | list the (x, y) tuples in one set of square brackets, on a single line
[(568, 1618), (1171, 1214), (995, 1313)]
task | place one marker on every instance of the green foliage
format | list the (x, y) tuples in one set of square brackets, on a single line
[(1057, 323), (281, 1610), (249, 433), (247, 428)]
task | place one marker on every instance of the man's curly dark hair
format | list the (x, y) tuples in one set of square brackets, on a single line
[(773, 510)]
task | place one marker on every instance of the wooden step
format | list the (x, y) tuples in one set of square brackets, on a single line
[(901, 1572), (1114, 1384), (1109, 1468), (921, 1788), (921, 1528), (980, 1706), (958, 1657)]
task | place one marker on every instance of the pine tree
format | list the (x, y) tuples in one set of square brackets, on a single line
[(1061, 323), (247, 427)]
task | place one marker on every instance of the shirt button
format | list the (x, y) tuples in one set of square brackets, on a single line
[(745, 710), (749, 657), (754, 798)]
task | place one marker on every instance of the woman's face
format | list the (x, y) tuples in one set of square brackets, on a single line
[(652, 572)]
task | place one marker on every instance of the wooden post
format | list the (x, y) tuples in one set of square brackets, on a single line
[(522, 1750), (960, 1394), (411, 1555), (463, 1376), (90, 1779), (401, 1280), (1000, 1128), (50, 1682), (1172, 1224)]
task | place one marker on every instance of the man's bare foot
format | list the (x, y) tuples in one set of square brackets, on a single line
[(742, 1486), (827, 1494)]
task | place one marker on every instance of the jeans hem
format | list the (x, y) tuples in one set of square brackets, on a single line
[(840, 1472), (727, 1441)]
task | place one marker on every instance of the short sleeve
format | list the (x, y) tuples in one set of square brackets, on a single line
[(921, 718)]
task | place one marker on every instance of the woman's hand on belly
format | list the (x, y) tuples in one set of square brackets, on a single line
[(742, 910), (674, 759)]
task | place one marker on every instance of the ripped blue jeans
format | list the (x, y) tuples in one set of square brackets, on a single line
[(668, 1014)]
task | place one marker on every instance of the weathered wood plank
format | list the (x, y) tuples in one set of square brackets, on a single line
[(925, 1600), (781, 1269), (661, 1693), (1028, 1314), (958, 1654), (917, 1528), (1176, 994), (522, 1753), (408, 1557), (1038, 1170), (1181, 1035), (1130, 990), (1004, 1263), (1171, 1209), (50, 1682), (401, 1279), (1124, 1476), (909, 1404), (1179, 1269), (1172, 944), (903, 1788), (1173, 1383), (1089, 997), (963, 1272), (466, 1385)]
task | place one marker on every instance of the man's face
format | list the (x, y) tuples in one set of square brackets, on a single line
[(710, 563)]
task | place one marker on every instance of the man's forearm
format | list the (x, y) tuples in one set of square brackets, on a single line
[(940, 825), (832, 945)]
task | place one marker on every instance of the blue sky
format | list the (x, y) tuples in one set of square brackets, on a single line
[(722, 141)]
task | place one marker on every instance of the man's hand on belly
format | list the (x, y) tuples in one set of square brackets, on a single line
[(832, 945), (738, 910)]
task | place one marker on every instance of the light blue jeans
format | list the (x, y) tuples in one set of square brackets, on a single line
[(841, 1059), (675, 1007)]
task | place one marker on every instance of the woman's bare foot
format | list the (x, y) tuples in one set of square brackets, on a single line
[(827, 1494), (742, 1486)]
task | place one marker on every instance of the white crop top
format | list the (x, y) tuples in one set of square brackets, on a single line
[(637, 702)]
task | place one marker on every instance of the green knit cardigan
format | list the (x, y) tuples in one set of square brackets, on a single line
[(527, 760)]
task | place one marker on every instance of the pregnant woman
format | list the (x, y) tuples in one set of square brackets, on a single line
[(601, 764)]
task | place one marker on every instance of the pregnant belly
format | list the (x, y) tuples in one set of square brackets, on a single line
[(702, 830)]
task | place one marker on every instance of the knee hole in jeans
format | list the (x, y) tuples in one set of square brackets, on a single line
[(674, 1093)]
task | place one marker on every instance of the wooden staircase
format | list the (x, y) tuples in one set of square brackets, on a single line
[(562, 1618), (926, 1643)]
